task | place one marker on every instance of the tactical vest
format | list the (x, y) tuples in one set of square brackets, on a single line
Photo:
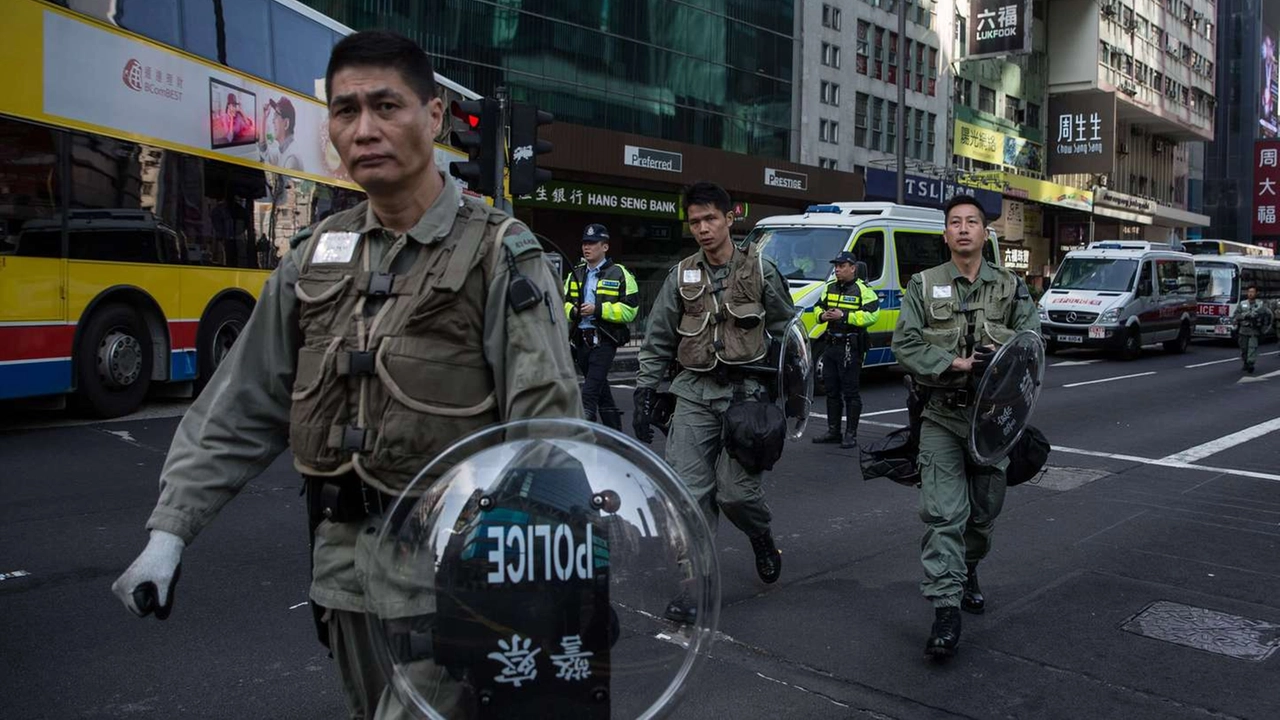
[(611, 286), (385, 394), (723, 321), (948, 326), (834, 297)]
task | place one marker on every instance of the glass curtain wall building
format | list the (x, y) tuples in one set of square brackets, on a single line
[(715, 73)]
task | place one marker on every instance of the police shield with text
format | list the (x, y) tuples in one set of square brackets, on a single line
[(848, 306), (518, 558), (600, 298)]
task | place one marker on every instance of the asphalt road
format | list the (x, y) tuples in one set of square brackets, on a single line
[(1139, 578)]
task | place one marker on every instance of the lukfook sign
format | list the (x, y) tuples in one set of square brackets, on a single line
[(786, 180), (999, 27), (652, 159)]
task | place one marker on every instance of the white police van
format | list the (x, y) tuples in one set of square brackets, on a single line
[(893, 241), (1121, 295)]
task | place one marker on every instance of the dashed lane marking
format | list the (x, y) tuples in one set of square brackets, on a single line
[(1110, 379)]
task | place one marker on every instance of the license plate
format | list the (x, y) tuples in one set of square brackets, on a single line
[(1071, 338), (1222, 330), (1097, 333)]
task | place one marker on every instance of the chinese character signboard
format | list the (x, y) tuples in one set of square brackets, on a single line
[(1082, 133), (1266, 184), (928, 191), (558, 195), (993, 146), (999, 27)]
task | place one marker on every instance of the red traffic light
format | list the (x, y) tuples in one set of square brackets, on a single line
[(473, 121), (467, 111)]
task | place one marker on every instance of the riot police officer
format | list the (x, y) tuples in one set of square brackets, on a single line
[(848, 307), (1252, 319), (953, 317), (389, 332), (711, 316), (600, 298)]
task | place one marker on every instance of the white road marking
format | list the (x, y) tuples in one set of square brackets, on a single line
[(124, 435), (14, 574), (801, 689), (295, 607), (1110, 379), (1225, 442), (1258, 378), (1162, 462), (624, 387), (865, 415), (1069, 363), (1212, 362)]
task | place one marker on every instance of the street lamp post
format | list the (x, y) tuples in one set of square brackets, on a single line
[(902, 102)]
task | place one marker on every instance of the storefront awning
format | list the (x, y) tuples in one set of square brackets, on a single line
[(1122, 215), (1175, 217)]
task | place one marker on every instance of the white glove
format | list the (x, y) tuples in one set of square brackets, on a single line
[(147, 586)]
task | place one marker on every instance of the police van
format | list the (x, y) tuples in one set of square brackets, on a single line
[(893, 241), (1121, 295)]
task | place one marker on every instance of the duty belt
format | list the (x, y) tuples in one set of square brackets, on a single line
[(954, 398), (590, 337), (346, 498)]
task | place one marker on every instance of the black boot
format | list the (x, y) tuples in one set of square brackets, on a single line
[(832, 436), (972, 600), (850, 440), (854, 407), (682, 609), (768, 557), (945, 634)]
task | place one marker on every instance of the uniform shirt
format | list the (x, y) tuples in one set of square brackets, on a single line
[(922, 358), (240, 423), (661, 339), (589, 293)]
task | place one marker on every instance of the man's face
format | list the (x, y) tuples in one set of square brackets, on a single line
[(1251, 293), (381, 129), (593, 251), (845, 272), (279, 124), (709, 226), (965, 233)]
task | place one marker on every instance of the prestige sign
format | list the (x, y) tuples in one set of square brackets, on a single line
[(999, 27), (786, 180), (1082, 128), (651, 159)]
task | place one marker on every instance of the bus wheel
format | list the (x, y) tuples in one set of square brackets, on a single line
[(113, 362), (1132, 347), (1179, 344), (218, 332)]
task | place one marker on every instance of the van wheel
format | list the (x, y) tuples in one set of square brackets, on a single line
[(113, 362), (1179, 345), (1132, 347), (819, 386), (218, 332)]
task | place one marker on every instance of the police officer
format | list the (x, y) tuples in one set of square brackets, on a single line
[(1252, 320), (848, 307), (600, 298), (392, 330), (711, 316), (953, 317)]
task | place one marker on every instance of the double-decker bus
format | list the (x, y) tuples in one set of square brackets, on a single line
[(153, 165), (1226, 247), (1221, 282)]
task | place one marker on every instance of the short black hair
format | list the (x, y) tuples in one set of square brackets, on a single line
[(706, 193), (959, 200), (1251, 286), (285, 108), (383, 49)]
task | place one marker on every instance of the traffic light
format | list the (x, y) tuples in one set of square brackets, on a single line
[(475, 128), (526, 176)]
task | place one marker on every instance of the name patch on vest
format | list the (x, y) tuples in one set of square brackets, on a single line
[(941, 292), (335, 248), (692, 275), (610, 284)]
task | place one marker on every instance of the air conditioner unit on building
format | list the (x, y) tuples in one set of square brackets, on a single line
[(1109, 9), (1128, 88)]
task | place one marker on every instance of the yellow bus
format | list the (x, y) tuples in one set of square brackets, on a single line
[(148, 187)]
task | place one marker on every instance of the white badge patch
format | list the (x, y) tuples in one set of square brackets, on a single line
[(693, 275), (335, 247), (941, 292)]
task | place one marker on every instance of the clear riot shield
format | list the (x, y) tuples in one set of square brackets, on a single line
[(1006, 396), (795, 378), (524, 572)]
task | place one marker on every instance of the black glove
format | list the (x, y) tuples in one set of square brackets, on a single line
[(644, 399), (982, 359)]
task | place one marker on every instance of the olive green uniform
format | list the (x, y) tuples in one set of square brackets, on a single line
[(694, 448), (1252, 319), (241, 422), (959, 499)]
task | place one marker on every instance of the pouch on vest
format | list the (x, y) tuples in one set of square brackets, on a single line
[(1028, 457), (754, 432)]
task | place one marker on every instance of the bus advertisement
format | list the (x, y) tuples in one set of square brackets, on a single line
[(145, 195)]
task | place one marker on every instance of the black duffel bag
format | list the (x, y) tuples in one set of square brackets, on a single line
[(892, 456), (1028, 457), (754, 433)]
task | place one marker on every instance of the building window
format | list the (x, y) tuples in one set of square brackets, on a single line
[(831, 55), (861, 100), (829, 131), (962, 36), (932, 135), (893, 49), (1012, 109), (830, 93), (964, 92), (1033, 115), (827, 163), (877, 123), (831, 17), (891, 134), (986, 99)]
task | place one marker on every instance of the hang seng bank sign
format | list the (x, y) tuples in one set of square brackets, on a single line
[(583, 197), (999, 27)]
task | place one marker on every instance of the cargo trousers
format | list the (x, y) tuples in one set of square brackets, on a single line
[(1248, 348), (959, 503)]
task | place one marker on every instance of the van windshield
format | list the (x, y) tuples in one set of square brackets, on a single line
[(802, 253), (1217, 282), (1111, 274)]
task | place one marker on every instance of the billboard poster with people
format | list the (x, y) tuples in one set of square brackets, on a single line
[(1269, 93)]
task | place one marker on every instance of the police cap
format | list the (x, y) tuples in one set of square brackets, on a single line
[(844, 257), (594, 233)]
